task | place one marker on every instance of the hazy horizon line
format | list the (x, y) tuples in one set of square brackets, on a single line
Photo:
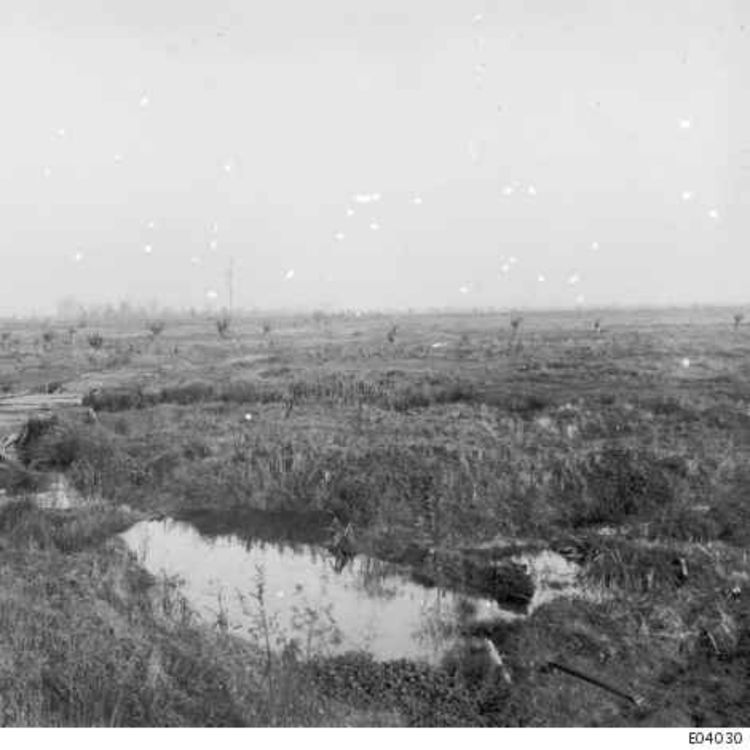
[(107, 310)]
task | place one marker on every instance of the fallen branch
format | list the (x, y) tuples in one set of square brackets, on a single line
[(636, 700)]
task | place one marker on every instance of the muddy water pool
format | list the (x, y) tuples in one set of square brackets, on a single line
[(294, 590)]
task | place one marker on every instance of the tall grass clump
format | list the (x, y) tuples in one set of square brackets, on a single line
[(16, 479), (25, 525), (92, 456), (195, 391), (729, 510), (55, 444), (613, 485), (82, 646)]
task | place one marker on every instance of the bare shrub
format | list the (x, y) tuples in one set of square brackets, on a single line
[(188, 393), (96, 340), (464, 346), (116, 399), (48, 338), (156, 327)]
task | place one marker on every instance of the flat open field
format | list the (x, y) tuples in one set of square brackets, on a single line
[(536, 525)]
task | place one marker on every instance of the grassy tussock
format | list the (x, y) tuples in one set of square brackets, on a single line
[(90, 454), (24, 524), (614, 485), (16, 480), (58, 443), (423, 696)]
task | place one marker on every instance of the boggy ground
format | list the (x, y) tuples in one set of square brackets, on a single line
[(625, 450)]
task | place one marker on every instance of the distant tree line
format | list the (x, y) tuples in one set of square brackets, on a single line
[(70, 309)]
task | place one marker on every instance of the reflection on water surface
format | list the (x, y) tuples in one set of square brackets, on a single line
[(277, 580), (369, 605)]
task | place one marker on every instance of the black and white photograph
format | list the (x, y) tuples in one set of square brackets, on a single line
[(375, 364)]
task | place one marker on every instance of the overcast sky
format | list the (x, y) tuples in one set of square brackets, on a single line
[(398, 153)]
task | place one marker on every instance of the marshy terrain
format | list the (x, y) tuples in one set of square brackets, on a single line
[(362, 520)]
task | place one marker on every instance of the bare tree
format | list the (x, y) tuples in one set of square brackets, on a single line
[(288, 401), (515, 324), (515, 333), (222, 326)]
